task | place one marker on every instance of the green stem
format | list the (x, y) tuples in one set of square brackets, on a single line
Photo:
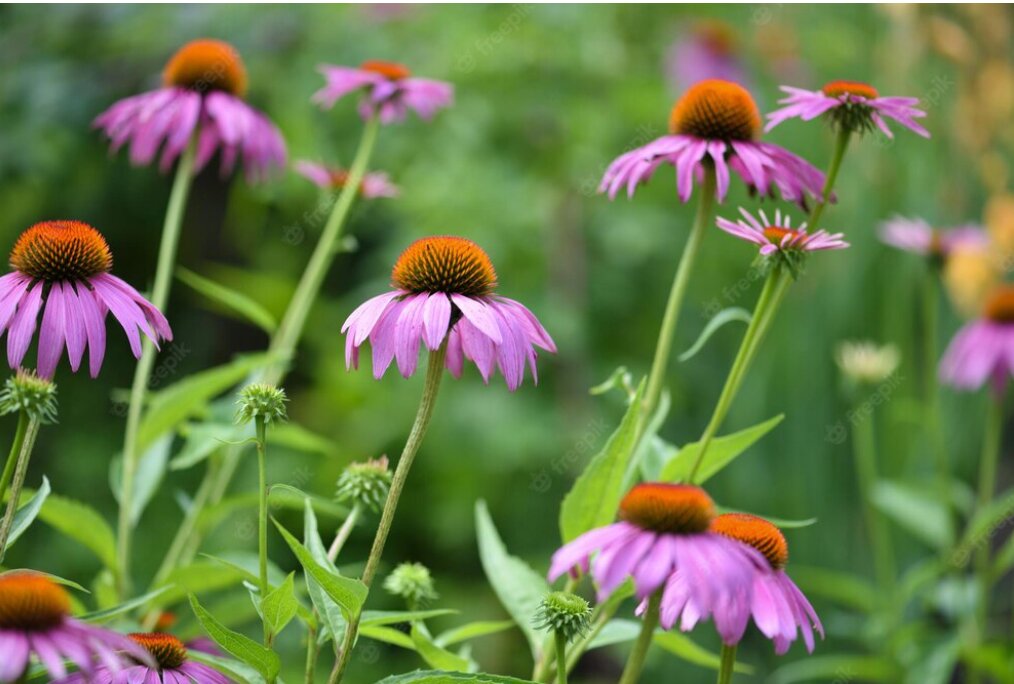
[(767, 306), (931, 387), (561, 657), (12, 457), (159, 296), (311, 655), (865, 452), (987, 486), (663, 348), (18, 481), (262, 518), (635, 663), (544, 663), (343, 532), (434, 373), (841, 144), (728, 664)]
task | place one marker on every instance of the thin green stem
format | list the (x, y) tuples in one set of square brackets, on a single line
[(841, 144), (666, 334), (768, 303), (635, 662), (434, 373), (343, 532), (544, 663), (560, 640), (18, 481), (12, 457), (262, 518), (987, 486), (865, 453), (311, 655), (728, 664), (931, 388), (171, 228)]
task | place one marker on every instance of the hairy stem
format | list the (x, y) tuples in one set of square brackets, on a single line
[(262, 518), (18, 481), (343, 532), (560, 640)]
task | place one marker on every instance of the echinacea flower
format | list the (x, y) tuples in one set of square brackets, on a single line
[(779, 609), (171, 665), (61, 268), (918, 237), (375, 184), (779, 235), (866, 362), (389, 90), (707, 50), (35, 620), (851, 105), (202, 94), (663, 535), (983, 350), (444, 291), (716, 122)]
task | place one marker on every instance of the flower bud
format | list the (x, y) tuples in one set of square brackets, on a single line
[(412, 582), (262, 402), (563, 613), (27, 392), (365, 483), (866, 363)]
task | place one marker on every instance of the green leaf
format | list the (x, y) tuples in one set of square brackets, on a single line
[(199, 576), (298, 438), (720, 319), (394, 617), (287, 496), (917, 511), (240, 672), (229, 299), (472, 630), (82, 524), (847, 668), (204, 439), (681, 646), (438, 677), (783, 523), (595, 496), (123, 608), (434, 655), (721, 452), (27, 512), (169, 407), (983, 527), (348, 593), (842, 588), (151, 469), (388, 635), (519, 588), (279, 606), (262, 659), (332, 620)]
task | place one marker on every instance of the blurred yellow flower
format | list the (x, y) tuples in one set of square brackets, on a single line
[(969, 275)]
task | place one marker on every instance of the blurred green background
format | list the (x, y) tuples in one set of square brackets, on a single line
[(546, 96)]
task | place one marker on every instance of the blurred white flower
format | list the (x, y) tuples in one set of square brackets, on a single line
[(867, 362)]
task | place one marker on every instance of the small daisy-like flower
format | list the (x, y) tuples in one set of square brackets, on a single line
[(779, 235), (918, 237), (412, 582), (779, 608), (983, 349), (61, 268), (202, 93), (35, 620), (866, 362), (389, 90), (716, 122), (171, 666), (444, 289), (663, 535), (366, 484), (850, 105), (375, 184), (27, 392)]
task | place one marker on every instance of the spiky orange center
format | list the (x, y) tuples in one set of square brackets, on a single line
[(389, 70), (716, 110), (672, 508), (839, 88), (777, 233), (756, 532), (444, 264), (1000, 304), (206, 65), (166, 649), (30, 601), (61, 250)]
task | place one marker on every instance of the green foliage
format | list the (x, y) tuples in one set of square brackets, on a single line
[(229, 300), (714, 325), (450, 678), (262, 659), (27, 512), (721, 452)]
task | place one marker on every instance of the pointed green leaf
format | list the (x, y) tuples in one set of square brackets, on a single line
[(280, 605), (721, 318), (681, 646), (473, 630), (387, 635), (81, 523), (27, 512), (123, 608), (439, 677), (204, 439), (434, 655), (394, 617), (721, 452), (229, 299), (830, 667), (262, 659), (151, 469), (918, 511), (331, 618), (843, 588), (987, 524)]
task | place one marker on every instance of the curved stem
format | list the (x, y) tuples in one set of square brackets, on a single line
[(12, 457), (728, 664), (159, 296), (343, 532), (663, 348), (262, 518), (18, 481), (864, 448), (841, 144), (635, 663), (561, 657), (434, 373)]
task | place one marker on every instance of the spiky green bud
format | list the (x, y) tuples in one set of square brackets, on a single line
[(261, 401), (563, 613), (27, 392), (412, 582), (366, 484)]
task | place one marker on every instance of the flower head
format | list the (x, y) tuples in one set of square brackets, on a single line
[(779, 238), (61, 268), (918, 237), (563, 612), (850, 105), (262, 401), (412, 582), (778, 607), (201, 98), (716, 123), (172, 665), (366, 483), (374, 184), (867, 363), (27, 392), (388, 90), (983, 349), (444, 290), (35, 619), (663, 540)]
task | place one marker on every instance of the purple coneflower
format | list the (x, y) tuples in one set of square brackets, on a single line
[(389, 90), (375, 184), (850, 104), (664, 534), (35, 619), (444, 289), (202, 93), (716, 122), (779, 608), (779, 235), (61, 268), (984, 349), (171, 666), (918, 237)]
